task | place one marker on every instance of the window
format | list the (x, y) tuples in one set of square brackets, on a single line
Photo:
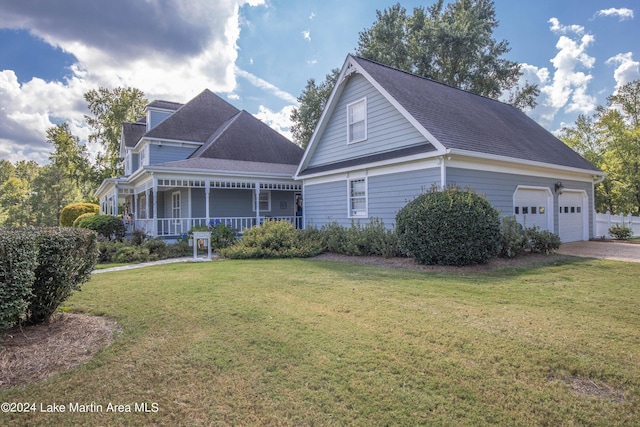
[(143, 156), (265, 201), (358, 197), (357, 121)]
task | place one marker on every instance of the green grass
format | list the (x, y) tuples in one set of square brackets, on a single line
[(304, 342)]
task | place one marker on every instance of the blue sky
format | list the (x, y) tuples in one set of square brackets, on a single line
[(259, 54)]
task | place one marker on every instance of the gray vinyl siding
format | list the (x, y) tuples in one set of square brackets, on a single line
[(386, 195), (135, 161), (155, 117), (282, 204), (325, 203), (500, 187), (387, 129), (166, 153)]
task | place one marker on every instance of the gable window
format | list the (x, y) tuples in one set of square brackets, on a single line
[(143, 156), (358, 197), (265, 201), (357, 121)]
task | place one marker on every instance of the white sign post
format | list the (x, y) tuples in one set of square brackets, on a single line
[(205, 236)]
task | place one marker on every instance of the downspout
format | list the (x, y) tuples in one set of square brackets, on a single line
[(443, 168)]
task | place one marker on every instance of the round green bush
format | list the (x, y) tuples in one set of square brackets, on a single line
[(452, 226), (74, 210), (81, 217), (108, 226)]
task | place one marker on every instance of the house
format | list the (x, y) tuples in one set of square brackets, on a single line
[(386, 135), (200, 163)]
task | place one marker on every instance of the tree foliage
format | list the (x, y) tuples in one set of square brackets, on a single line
[(109, 108), (312, 102), (610, 139), (452, 44)]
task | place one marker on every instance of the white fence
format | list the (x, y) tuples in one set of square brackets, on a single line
[(604, 221)]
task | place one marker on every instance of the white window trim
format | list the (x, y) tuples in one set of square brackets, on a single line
[(365, 213), (268, 192), (364, 101)]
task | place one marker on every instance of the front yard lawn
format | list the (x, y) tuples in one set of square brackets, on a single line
[(309, 342)]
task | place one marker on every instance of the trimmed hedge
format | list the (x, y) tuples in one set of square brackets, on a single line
[(74, 210), (449, 227), (18, 261), (81, 217), (40, 268), (107, 226), (66, 257)]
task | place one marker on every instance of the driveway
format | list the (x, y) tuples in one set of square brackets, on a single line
[(618, 251)]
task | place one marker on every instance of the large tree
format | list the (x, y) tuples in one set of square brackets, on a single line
[(610, 139), (452, 44), (312, 102), (109, 108), (70, 157)]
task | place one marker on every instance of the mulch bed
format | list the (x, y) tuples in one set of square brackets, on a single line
[(33, 353)]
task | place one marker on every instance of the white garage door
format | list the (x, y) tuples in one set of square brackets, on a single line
[(531, 207), (571, 219)]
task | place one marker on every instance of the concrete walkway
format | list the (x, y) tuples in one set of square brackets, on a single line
[(147, 264), (618, 251)]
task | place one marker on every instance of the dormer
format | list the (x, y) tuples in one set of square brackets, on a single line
[(158, 111)]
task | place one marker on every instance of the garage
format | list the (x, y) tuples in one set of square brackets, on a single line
[(573, 216), (532, 206)]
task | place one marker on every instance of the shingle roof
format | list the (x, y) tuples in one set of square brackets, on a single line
[(243, 137), (132, 132), (196, 120), (378, 157), (226, 165), (164, 105), (465, 121)]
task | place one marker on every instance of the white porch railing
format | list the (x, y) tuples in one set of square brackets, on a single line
[(179, 226), (606, 220)]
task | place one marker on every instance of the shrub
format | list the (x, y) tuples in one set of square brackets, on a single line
[(371, 239), (273, 239), (132, 254), (222, 236), (18, 261), (66, 257), (541, 241), (74, 210), (81, 217), (138, 237), (157, 248), (110, 227), (621, 232), (513, 241), (449, 227)]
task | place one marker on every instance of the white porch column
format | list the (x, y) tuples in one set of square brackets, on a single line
[(135, 206), (207, 190), (257, 204), (155, 207), (189, 209), (115, 201), (146, 204)]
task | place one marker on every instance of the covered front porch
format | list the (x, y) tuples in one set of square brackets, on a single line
[(170, 207)]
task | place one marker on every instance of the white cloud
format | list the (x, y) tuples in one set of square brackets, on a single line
[(566, 87), (313, 15), (556, 27), (278, 120), (627, 69), (265, 85), (306, 34), (622, 13), (168, 49)]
